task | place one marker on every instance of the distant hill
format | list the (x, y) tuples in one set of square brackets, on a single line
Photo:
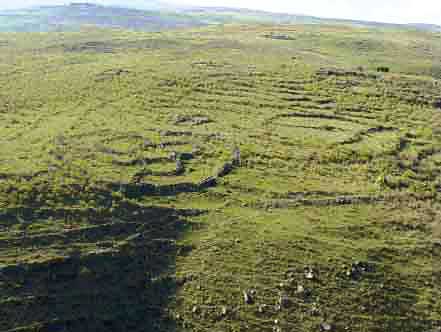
[(156, 16), (76, 15), (424, 26)]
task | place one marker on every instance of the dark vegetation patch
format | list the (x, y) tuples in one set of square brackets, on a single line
[(112, 73), (195, 120), (91, 46), (278, 37), (383, 69), (366, 46), (115, 46), (325, 72), (118, 262)]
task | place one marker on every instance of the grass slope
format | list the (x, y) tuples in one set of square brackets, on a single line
[(231, 178)]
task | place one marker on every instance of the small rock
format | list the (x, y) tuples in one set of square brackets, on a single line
[(224, 311), (236, 157), (326, 327), (315, 311), (179, 167), (309, 272), (284, 301), (357, 269), (247, 297), (195, 309), (262, 308), (300, 289)]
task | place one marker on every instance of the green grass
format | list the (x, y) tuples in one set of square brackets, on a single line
[(339, 173)]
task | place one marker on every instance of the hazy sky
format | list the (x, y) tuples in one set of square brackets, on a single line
[(399, 11)]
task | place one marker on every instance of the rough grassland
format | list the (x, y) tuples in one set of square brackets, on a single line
[(233, 178)]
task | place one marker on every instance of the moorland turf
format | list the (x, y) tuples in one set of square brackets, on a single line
[(237, 178)]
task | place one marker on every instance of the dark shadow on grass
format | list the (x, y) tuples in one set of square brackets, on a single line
[(125, 286)]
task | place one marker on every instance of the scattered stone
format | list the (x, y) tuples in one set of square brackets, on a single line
[(147, 143), (309, 273), (326, 327), (437, 103), (262, 308), (247, 297), (179, 167), (290, 281), (192, 120), (315, 311), (236, 157), (201, 120), (357, 269), (174, 156), (283, 301)]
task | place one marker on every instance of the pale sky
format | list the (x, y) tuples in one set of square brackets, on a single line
[(395, 11)]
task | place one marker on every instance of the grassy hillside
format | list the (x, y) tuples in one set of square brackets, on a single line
[(237, 178)]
